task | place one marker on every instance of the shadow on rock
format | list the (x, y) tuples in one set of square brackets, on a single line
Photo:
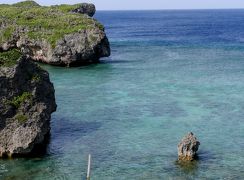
[(39, 150)]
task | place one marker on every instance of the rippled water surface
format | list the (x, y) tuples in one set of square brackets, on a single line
[(170, 72)]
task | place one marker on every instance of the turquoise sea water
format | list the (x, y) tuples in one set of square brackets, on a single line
[(170, 72)]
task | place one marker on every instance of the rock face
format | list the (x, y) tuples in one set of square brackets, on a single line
[(83, 47), (55, 35), (26, 103), (86, 8), (188, 147)]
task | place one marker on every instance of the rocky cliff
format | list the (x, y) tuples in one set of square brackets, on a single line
[(62, 35), (26, 103)]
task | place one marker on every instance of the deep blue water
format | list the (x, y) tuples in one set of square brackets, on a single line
[(170, 72)]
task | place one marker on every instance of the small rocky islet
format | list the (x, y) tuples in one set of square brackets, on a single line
[(188, 147)]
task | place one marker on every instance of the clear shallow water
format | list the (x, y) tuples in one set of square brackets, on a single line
[(170, 72)]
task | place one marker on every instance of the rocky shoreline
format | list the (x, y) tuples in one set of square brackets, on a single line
[(64, 35), (27, 99)]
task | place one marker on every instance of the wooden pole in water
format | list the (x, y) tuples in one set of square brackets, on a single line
[(88, 167)]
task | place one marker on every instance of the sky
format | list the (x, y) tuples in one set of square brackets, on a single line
[(147, 4)]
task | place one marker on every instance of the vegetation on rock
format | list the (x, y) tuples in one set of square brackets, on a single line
[(27, 3), (26, 103), (18, 100), (36, 78), (21, 118), (42, 23), (9, 58)]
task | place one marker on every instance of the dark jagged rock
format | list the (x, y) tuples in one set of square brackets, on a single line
[(86, 8), (26, 103), (188, 147), (53, 35)]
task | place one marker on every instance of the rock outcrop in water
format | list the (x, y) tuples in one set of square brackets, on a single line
[(26, 103), (188, 147), (58, 35)]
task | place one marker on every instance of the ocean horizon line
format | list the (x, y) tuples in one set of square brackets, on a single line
[(199, 9)]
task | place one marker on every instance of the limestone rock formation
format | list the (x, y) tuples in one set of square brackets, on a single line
[(26, 103), (188, 147), (54, 35), (84, 47), (85, 8)]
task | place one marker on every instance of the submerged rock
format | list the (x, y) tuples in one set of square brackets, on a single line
[(85, 8), (54, 35), (26, 103), (188, 147)]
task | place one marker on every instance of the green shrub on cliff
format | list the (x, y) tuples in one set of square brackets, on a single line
[(41, 23), (36, 78), (21, 118), (9, 58), (18, 100)]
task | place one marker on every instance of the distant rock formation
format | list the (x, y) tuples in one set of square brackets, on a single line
[(58, 35), (26, 103), (86, 8), (188, 147)]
